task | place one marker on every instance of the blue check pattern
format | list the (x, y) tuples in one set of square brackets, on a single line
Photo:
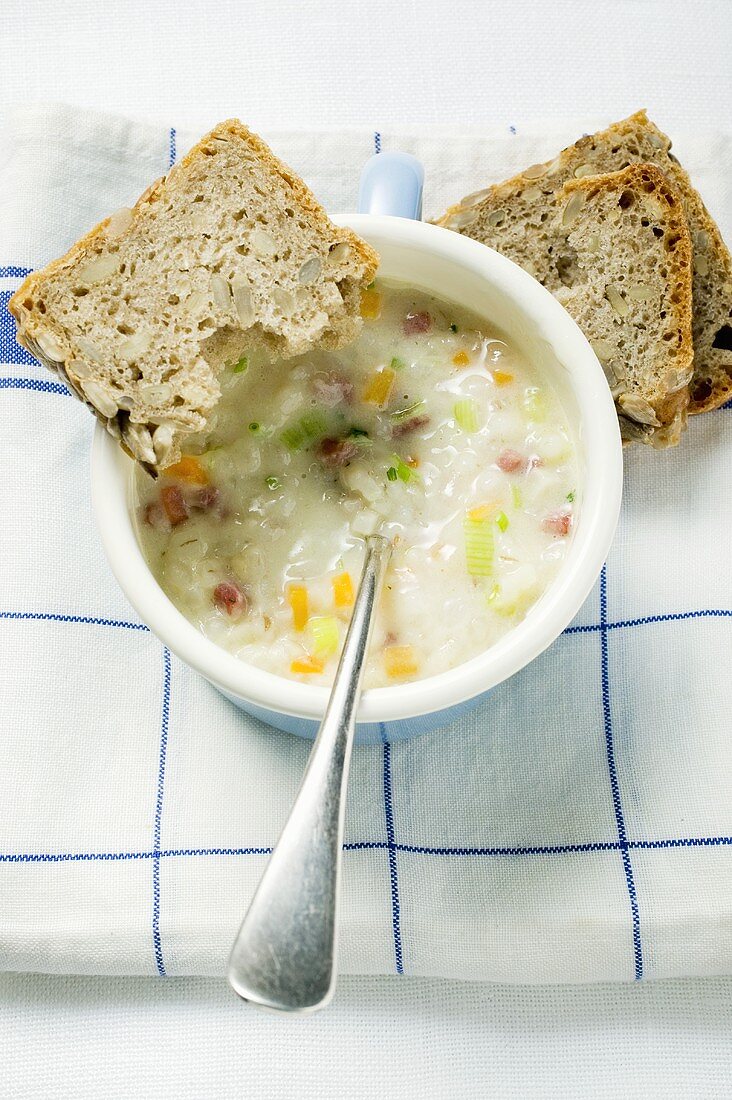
[(22, 380)]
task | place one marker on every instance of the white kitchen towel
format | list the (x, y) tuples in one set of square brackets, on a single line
[(576, 827)]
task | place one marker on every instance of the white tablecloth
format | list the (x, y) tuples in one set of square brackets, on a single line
[(386, 66)]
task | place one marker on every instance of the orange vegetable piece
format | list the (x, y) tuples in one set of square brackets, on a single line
[(378, 391), (482, 511), (306, 665), (343, 590), (399, 660), (461, 358), (189, 469), (370, 304), (413, 463), (502, 377), (297, 597)]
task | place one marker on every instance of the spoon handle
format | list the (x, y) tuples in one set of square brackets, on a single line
[(284, 955)]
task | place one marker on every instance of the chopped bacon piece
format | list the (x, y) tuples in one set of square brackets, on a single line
[(336, 452), (229, 597), (206, 499), (331, 389), (557, 523), (511, 462), (416, 322), (174, 504), (411, 425)]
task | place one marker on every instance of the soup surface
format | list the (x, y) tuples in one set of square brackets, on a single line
[(431, 429)]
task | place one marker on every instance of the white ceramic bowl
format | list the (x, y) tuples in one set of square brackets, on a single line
[(456, 268)]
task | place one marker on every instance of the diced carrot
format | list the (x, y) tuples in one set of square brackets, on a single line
[(370, 304), (174, 505), (378, 390), (343, 590), (461, 358), (297, 597), (306, 665), (189, 469), (399, 660), (482, 511), (502, 377)]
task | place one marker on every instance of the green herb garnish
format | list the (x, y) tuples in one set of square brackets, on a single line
[(255, 426), (570, 496), (502, 521), (308, 428), (292, 438), (403, 472), (273, 482), (359, 436), (404, 414), (397, 363), (241, 366), (391, 473)]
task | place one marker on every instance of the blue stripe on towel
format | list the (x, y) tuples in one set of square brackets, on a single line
[(614, 785), (165, 719), (392, 849)]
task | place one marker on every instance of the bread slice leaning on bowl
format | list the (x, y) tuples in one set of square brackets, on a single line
[(615, 250), (628, 287), (228, 250), (526, 200)]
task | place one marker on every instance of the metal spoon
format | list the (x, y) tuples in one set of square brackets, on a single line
[(285, 953)]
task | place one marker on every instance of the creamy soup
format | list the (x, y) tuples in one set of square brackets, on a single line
[(430, 428)]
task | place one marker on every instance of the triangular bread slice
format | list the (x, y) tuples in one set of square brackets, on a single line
[(505, 216), (229, 249)]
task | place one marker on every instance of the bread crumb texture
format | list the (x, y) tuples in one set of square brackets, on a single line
[(541, 217), (230, 250)]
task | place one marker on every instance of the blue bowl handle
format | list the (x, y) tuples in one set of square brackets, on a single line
[(392, 183)]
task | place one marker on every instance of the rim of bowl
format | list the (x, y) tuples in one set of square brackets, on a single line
[(546, 619)]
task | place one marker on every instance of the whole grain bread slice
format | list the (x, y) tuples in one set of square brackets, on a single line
[(627, 283), (508, 215), (230, 249)]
